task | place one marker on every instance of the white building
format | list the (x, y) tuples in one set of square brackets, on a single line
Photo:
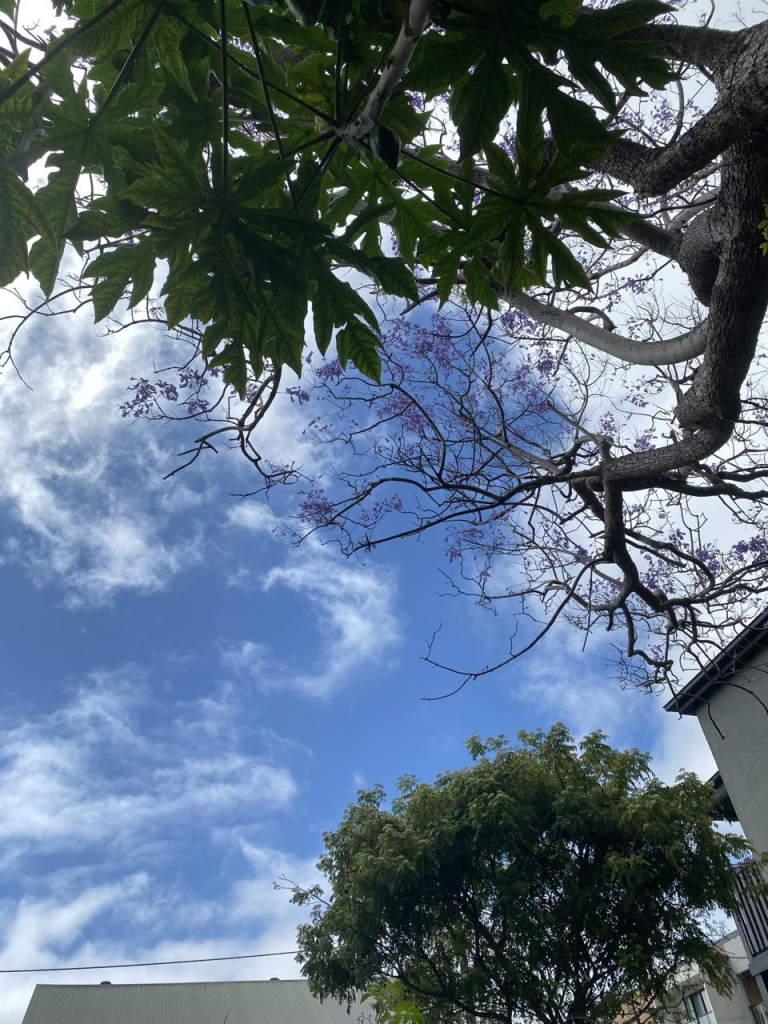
[(202, 1002), (693, 1001), (729, 697)]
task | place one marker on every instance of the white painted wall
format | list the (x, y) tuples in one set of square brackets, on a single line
[(742, 751), (733, 1009)]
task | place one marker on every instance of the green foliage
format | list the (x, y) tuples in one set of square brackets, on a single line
[(548, 881), (392, 1005), (251, 174)]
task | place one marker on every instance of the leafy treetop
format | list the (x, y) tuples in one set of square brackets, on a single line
[(548, 882)]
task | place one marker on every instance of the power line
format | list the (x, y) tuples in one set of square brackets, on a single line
[(149, 963)]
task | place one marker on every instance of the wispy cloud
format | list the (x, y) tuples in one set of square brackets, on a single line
[(137, 918), (564, 684), (352, 609), (679, 745), (81, 486), (64, 783), (110, 790)]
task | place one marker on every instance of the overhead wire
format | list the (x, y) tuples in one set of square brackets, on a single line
[(147, 963)]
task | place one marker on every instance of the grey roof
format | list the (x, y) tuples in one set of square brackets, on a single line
[(738, 653), (201, 1002)]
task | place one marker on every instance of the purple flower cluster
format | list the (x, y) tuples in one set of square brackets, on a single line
[(515, 321), (754, 550), (316, 507), (329, 372), (148, 395), (298, 394), (644, 442), (374, 513)]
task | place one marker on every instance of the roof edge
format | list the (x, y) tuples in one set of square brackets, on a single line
[(727, 663)]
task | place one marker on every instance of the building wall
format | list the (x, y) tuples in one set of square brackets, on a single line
[(741, 752), (733, 1009)]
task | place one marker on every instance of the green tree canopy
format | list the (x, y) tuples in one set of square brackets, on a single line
[(548, 882)]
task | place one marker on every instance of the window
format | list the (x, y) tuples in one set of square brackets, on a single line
[(699, 1008)]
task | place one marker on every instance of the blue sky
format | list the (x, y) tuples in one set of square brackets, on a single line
[(189, 702)]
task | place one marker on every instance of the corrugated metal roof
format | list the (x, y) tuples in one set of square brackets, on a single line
[(202, 1002)]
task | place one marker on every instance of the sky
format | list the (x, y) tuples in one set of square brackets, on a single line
[(189, 701)]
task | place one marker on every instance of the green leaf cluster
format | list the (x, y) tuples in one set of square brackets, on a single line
[(218, 144)]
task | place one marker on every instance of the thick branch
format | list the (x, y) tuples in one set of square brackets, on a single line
[(706, 48), (639, 353), (700, 250), (641, 470), (416, 20), (742, 106), (665, 243), (740, 293), (711, 407), (709, 410)]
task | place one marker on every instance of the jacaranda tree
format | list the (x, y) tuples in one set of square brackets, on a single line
[(548, 882), (551, 174)]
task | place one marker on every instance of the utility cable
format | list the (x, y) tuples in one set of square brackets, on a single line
[(149, 963)]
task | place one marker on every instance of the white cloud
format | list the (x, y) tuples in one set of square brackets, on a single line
[(247, 659), (83, 486), (156, 923), (39, 926), (351, 606), (254, 516), (266, 894), (62, 783), (117, 784), (354, 607), (680, 746), (567, 684)]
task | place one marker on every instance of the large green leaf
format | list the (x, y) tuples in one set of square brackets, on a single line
[(411, 219), (20, 219), (359, 345), (490, 220), (479, 102), (57, 201), (438, 62), (477, 279), (233, 359), (336, 303), (565, 266), (140, 115), (167, 36), (509, 266), (597, 37), (128, 263)]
